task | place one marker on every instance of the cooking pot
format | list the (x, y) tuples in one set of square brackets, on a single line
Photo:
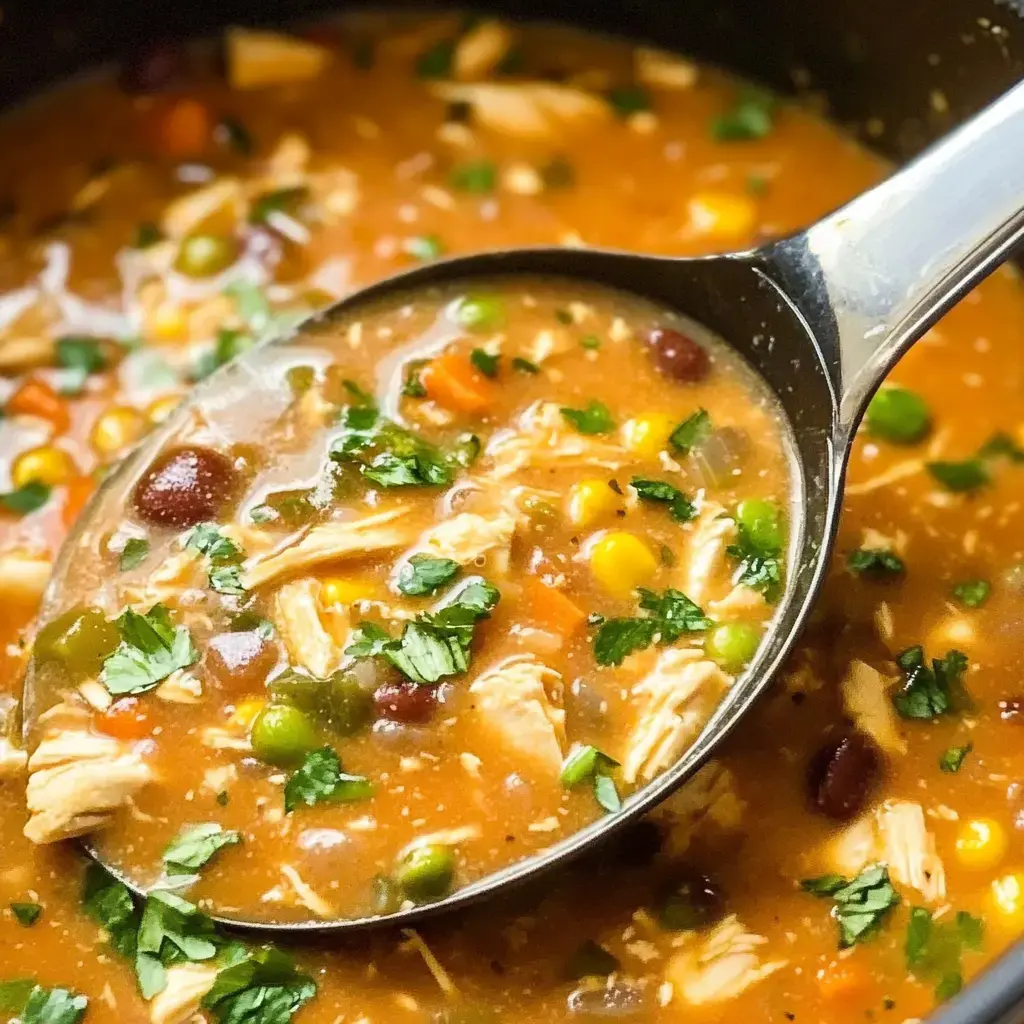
[(895, 75)]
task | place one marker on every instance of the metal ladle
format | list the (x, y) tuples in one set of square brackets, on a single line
[(821, 315)]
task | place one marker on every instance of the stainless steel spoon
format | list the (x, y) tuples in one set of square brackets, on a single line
[(822, 315)]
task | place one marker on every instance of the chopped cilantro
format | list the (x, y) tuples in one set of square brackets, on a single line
[(151, 648), (26, 914), (232, 133), (258, 987), (875, 562), (109, 903), (934, 949), (680, 507), (972, 593), (171, 931), (952, 759), (424, 247), (465, 451), (524, 365), (587, 763), (436, 62), (960, 477), (671, 615), (594, 419), (422, 574), (928, 692), (628, 99), (760, 561), (83, 354), (750, 117), (860, 905), (412, 386), (690, 432), (228, 345), (196, 846), (227, 580), (134, 553), (1001, 445), (34, 1004), (29, 498), (280, 200), (146, 234), (224, 555), (320, 780), (591, 342), (360, 396), (485, 362), (477, 177)]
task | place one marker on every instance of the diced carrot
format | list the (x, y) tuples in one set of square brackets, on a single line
[(36, 398), (184, 129), (125, 719), (552, 609), (452, 381), (79, 491), (842, 979)]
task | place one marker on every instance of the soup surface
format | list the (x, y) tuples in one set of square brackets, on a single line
[(855, 854)]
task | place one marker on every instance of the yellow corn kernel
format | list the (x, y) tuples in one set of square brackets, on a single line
[(981, 844), (336, 591), (724, 215), (47, 464), (1006, 900), (116, 430), (245, 713), (168, 322), (589, 500), (159, 410), (646, 436), (621, 562)]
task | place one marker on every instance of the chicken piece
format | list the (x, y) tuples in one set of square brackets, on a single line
[(708, 572), (221, 199), (853, 849), (77, 781), (480, 50), (543, 439), (663, 70), (674, 701), (331, 542), (179, 572), (295, 612), (23, 576), (24, 353), (180, 687), (719, 966), (182, 996), (306, 895), (908, 848), (467, 538), (708, 799), (256, 59), (529, 110), (13, 760), (865, 693), (741, 602), (518, 701)]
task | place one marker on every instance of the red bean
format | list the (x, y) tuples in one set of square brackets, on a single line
[(240, 661), (842, 774), (678, 356), (405, 702), (185, 486)]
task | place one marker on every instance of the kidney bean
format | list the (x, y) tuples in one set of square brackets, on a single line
[(405, 702), (678, 356), (240, 661), (842, 774), (185, 486)]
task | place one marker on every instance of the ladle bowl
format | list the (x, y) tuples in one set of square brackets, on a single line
[(822, 316)]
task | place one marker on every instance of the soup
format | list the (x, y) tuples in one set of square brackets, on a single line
[(856, 851)]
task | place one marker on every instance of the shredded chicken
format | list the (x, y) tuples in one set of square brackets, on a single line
[(909, 849), (23, 576), (675, 699), (719, 966), (258, 59), (180, 687), (306, 895), (707, 567), (519, 702), (480, 50), (178, 573), (741, 602), (295, 612), (414, 941), (331, 542), (866, 700), (543, 439), (710, 797), (182, 996), (77, 781), (13, 760), (533, 110), (467, 538)]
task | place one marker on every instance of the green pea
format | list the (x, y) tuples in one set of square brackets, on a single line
[(733, 644), (480, 313), (80, 640), (761, 523), (283, 735), (425, 873), (206, 255), (898, 415)]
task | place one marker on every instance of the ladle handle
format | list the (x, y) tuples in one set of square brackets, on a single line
[(891, 262)]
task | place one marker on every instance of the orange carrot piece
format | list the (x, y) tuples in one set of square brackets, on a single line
[(36, 398), (78, 492), (184, 129), (842, 979), (552, 609), (125, 719), (451, 381)]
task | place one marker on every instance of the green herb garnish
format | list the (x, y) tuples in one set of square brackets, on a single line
[(875, 562), (422, 574), (750, 117), (280, 200), (321, 780), (259, 986), (485, 362), (670, 615), (478, 177), (424, 247), (82, 354), (960, 477), (594, 419), (525, 366), (133, 554), (928, 692), (952, 759), (680, 507), (972, 593), (626, 100), (860, 905), (151, 649), (691, 432), (146, 234), (588, 764), (26, 914), (197, 845), (29, 498), (436, 62), (933, 949)]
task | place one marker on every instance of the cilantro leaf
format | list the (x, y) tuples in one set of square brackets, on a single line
[(875, 562), (928, 692), (1001, 445), (320, 780), (52, 1006), (485, 362), (690, 432), (29, 498), (525, 366), (151, 648), (675, 613), (476, 177), (172, 930), (671, 615), (972, 593), (594, 419), (860, 905), (279, 200), (750, 117), (424, 247), (26, 914), (760, 562), (628, 99), (227, 579), (260, 987), (934, 949), (587, 763), (134, 553), (680, 507), (207, 539), (960, 477), (422, 574), (952, 759), (109, 903), (196, 846), (84, 354), (618, 638), (436, 60)]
